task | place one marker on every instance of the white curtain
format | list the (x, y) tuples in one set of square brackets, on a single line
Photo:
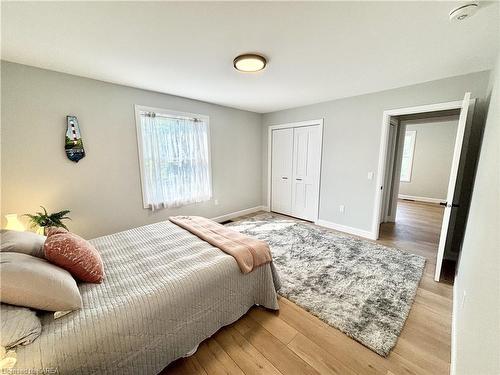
[(175, 161)]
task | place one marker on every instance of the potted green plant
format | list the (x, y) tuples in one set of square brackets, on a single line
[(43, 220)]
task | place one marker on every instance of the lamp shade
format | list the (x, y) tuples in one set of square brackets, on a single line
[(13, 223)]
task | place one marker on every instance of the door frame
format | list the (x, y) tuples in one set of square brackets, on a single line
[(270, 150), (384, 144), (392, 156)]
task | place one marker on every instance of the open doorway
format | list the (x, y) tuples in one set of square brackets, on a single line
[(420, 157), (396, 164)]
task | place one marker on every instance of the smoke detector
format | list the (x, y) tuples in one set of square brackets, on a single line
[(463, 12)]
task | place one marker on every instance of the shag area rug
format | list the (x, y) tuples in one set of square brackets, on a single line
[(364, 289)]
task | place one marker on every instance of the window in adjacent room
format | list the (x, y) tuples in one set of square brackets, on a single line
[(408, 151), (174, 157)]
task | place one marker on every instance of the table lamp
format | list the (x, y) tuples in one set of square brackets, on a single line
[(13, 223)]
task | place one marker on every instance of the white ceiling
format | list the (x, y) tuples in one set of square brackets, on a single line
[(316, 51)]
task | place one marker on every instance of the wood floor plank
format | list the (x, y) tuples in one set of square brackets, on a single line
[(427, 342), (271, 321), (404, 366), (284, 359), (441, 289), (215, 360), (185, 366), (428, 321), (434, 302), (317, 357), (248, 358), (349, 352), (421, 357)]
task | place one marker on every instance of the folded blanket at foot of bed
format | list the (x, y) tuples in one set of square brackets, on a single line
[(248, 252)]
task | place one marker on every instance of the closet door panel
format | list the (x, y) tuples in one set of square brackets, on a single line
[(281, 171), (306, 172)]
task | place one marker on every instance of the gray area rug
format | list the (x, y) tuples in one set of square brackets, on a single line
[(364, 289)]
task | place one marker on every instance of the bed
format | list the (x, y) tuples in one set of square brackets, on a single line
[(165, 291)]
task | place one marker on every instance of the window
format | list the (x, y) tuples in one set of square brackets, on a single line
[(408, 150), (174, 157)]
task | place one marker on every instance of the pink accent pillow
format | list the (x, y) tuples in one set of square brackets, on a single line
[(74, 254)]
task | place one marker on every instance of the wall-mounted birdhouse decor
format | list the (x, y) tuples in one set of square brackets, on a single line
[(74, 144)]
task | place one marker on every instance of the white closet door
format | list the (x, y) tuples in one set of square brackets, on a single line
[(281, 171), (306, 172)]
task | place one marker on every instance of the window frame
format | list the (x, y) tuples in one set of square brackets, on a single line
[(412, 154), (142, 108)]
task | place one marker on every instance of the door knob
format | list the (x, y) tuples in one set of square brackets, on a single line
[(298, 179), (449, 205), (284, 178)]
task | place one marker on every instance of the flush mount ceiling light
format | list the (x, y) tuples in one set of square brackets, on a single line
[(249, 62), (463, 12)]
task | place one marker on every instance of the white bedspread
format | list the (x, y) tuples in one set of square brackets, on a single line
[(165, 291)]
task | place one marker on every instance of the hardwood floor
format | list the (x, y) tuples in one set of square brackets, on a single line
[(417, 229), (292, 341)]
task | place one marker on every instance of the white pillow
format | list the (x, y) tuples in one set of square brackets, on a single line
[(22, 242), (19, 326), (29, 281)]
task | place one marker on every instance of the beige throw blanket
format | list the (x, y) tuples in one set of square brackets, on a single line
[(249, 252)]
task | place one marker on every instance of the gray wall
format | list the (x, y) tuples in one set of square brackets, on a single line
[(434, 144), (477, 320), (352, 129), (103, 190)]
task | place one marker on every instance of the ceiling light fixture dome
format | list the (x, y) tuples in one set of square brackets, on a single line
[(249, 62), (463, 12)]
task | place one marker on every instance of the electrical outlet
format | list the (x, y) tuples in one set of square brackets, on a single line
[(370, 175), (216, 202), (342, 209)]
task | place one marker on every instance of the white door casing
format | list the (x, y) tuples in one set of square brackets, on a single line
[(384, 144), (395, 182), (462, 121), (391, 151)]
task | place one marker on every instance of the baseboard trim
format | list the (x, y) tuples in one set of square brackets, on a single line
[(232, 215), (346, 229), (421, 199)]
